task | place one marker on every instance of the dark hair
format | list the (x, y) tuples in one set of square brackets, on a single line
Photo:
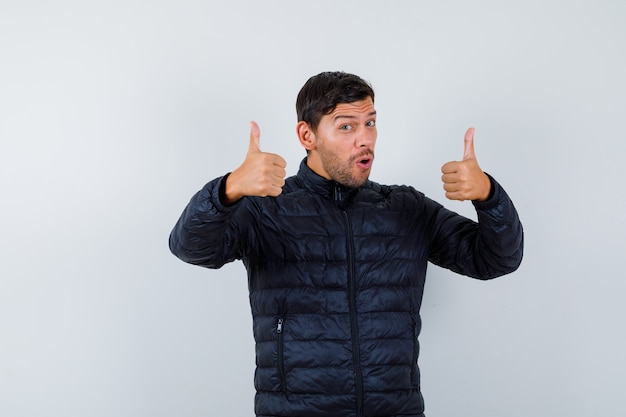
[(321, 94)]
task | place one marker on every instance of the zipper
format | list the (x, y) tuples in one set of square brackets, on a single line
[(337, 195), (354, 328), (414, 369), (280, 348)]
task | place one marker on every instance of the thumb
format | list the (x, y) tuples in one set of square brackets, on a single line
[(255, 138), (468, 153)]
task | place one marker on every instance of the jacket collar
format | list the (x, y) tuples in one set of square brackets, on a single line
[(328, 189)]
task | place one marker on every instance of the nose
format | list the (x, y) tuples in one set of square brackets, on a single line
[(366, 137)]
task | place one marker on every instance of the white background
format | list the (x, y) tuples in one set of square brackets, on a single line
[(112, 114)]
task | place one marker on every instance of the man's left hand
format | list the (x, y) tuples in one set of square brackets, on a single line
[(464, 180)]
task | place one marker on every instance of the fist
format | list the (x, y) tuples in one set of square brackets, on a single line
[(261, 174), (464, 180)]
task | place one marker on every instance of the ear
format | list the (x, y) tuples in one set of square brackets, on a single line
[(306, 136)]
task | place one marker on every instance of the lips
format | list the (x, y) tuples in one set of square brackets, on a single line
[(365, 161)]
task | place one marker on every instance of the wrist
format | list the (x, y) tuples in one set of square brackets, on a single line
[(227, 193), (487, 188)]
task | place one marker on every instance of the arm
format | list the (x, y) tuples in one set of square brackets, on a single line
[(216, 224), (206, 233), (489, 248)]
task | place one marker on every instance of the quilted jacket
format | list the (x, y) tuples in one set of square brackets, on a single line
[(336, 277)]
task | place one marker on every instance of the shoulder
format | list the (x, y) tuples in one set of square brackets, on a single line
[(398, 196), (291, 185), (394, 190)]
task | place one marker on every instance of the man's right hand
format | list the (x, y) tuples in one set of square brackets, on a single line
[(261, 174)]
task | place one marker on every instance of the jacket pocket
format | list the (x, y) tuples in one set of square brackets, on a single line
[(280, 349), (415, 373)]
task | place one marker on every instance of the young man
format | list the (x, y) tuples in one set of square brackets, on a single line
[(336, 263)]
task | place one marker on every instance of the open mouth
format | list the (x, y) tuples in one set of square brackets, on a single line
[(365, 162)]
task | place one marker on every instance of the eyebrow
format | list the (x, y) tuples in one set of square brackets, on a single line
[(346, 116)]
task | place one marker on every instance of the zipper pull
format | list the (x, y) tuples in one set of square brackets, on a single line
[(279, 328), (338, 196)]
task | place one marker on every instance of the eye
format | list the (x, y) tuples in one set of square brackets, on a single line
[(345, 127), (371, 123)]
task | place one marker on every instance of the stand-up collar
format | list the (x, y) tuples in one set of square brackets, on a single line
[(328, 189)]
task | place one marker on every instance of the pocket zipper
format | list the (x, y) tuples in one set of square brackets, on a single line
[(281, 364)]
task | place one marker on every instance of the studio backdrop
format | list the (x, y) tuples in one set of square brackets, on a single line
[(113, 114)]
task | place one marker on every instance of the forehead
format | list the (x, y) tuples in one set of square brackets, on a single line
[(361, 107)]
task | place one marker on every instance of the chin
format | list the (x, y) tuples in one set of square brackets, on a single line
[(359, 182)]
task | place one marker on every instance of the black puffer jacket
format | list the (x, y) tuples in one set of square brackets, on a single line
[(336, 278)]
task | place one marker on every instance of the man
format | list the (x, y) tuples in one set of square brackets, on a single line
[(336, 263)]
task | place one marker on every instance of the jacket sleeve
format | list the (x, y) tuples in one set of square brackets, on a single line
[(209, 233), (486, 249)]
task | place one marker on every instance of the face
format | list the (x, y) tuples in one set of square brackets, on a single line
[(342, 147)]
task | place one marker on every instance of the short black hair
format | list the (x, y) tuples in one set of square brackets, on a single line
[(321, 94)]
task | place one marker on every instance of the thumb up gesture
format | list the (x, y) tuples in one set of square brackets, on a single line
[(261, 174), (464, 180)]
